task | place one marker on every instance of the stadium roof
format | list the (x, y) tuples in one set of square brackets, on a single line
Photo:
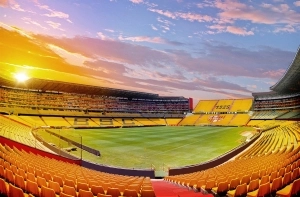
[(67, 87), (290, 82)]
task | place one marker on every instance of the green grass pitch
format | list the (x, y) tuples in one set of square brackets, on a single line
[(144, 147)]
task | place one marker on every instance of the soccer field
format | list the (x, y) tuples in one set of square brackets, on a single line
[(144, 147)]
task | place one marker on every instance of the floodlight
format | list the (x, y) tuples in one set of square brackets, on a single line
[(21, 77)]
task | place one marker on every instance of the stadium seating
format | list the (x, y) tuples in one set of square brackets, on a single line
[(189, 120), (173, 121), (223, 105), (239, 119), (241, 105), (205, 106), (259, 163), (74, 179), (19, 132), (45, 103)]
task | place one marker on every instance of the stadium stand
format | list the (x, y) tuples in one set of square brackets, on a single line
[(61, 176), (226, 112), (173, 121), (241, 105), (205, 106), (267, 164), (190, 120), (223, 105), (270, 166)]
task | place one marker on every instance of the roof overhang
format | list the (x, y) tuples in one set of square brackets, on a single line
[(66, 87), (290, 82)]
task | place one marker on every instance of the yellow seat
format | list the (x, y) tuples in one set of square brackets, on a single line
[(9, 176), (32, 187), (85, 193), (69, 190), (114, 192), (130, 192), (55, 186), (276, 185), (15, 191), (262, 191), (264, 179), (240, 190), (31, 177), (19, 182), (59, 180), (221, 189), (41, 182), (97, 190), (83, 186), (290, 190), (70, 183), (253, 185), (47, 192)]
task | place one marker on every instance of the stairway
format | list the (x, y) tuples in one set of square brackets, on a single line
[(166, 189)]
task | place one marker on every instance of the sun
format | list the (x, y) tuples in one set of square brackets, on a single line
[(21, 77)]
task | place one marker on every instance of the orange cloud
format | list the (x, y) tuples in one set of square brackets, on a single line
[(3, 3)]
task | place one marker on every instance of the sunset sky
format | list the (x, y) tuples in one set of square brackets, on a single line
[(210, 49)]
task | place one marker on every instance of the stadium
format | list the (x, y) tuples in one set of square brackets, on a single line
[(68, 139)]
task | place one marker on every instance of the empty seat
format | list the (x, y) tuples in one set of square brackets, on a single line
[(97, 190), (130, 192), (222, 188), (70, 183), (241, 190), (2, 172), (32, 187), (47, 192), (41, 182), (47, 176), (264, 179), (253, 185), (59, 180), (19, 182), (209, 185), (234, 183), (83, 186), (69, 190), (273, 176), (286, 179), (276, 185), (22, 173), (262, 191), (9, 176), (3, 188), (15, 191), (55, 186), (290, 190), (245, 179), (84, 193), (30, 177), (114, 192)]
